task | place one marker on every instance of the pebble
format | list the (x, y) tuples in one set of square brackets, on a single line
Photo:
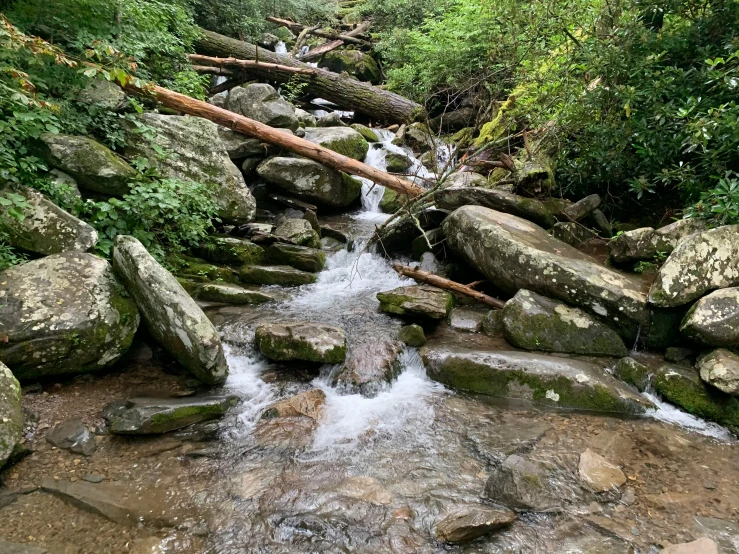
[(92, 478), (710, 485)]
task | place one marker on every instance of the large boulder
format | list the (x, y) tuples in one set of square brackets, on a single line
[(64, 313), (172, 317), (646, 243), (238, 145), (354, 62), (514, 254), (103, 94), (418, 300), (714, 319), (94, 166), (194, 152), (496, 199), (299, 257), (298, 231), (539, 378), (309, 342), (11, 416), (311, 181), (700, 263), (45, 228), (343, 140), (534, 322), (262, 102), (720, 368)]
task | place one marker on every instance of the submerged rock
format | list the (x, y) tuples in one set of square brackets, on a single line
[(300, 232), (299, 257), (598, 474), (496, 199), (370, 366), (64, 313), (538, 378), (283, 275), (72, 435), (467, 523), (172, 317), (412, 335), (720, 368), (152, 416), (343, 140), (419, 300), (700, 263), (534, 322), (310, 342), (11, 415), (714, 319), (704, 545), (263, 103), (306, 404), (646, 243)]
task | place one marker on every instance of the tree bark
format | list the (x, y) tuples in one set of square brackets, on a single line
[(326, 47), (349, 93), (298, 28)]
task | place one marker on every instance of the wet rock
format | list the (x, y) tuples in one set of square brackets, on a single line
[(431, 264), (299, 257), (231, 294), (392, 201), (496, 199), (153, 416), (593, 544), (492, 323), (172, 317), (45, 228), (646, 243), (262, 102), (72, 435), (310, 180), (419, 300), (679, 355), (307, 404), (581, 208), (283, 275), (305, 119), (572, 233), (330, 232), (418, 137), (397, 163), (601, 223), (412, 335), (64, 313), (300, 232), (310, 342), (515, 254), (311, 217), (632, 372), (103, 94), (368, 134), (91, 164), (466, 319), (720, 368), (714, 319), (420, 245), (11, 415), (196, 154), (700, 263), (239, 145), (531, 377), (534, 322), (366, 489), (467, 523), (332, 119), (343, 140), (369, 366), (703, 545), (15, 548), (353, 62), (230, 250), (598, 474)]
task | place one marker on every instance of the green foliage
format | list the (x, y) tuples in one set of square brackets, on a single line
[(293, 89), (14, 205), (720, 205)]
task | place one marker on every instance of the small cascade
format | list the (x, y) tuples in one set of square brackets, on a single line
[(280, 48)]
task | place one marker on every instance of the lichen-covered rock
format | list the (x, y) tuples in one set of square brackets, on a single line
[(300, 232), (309, 342), (632, 372), (467, 523), (238, 145), (306, 404), (419, 300), (311, 181), (11, 415), (94, 166), (581, 208), (515, 254), (646, 243), (64, 313), (103, 94), (172, 317), (534, 322), (45, 228), (194, 152), (230, 250), (496, 199), (700, 263), (537, 378), (368, 134), (572, 233), (353, 62), (714, 319), (412, 335), (720, 368), (262, 102), (299, 257), (230, 294), (343, 140), (397, 163), (283, 275)]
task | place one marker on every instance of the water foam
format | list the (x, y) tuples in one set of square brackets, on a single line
[(670, 414)]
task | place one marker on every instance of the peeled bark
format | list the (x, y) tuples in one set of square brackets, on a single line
[(347, 92)]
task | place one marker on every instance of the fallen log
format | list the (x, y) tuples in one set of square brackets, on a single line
[(327, 47), (433, 279), (380, 105), (249, 64), (212, 70), (298, 28)]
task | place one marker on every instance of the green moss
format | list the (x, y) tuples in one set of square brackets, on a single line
[(351, 188), (503, 121), (397, 163), (229, 250), (289, 348), (368, 134), (412, 335), (632, 372), (196, 269), (305, 259), (285, 276), (392, 201)]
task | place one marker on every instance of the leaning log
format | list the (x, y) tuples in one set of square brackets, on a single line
[(326, 47), (380, 105), (298, 28)]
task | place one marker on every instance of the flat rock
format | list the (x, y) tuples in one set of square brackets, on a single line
[(700, 263), (418, 300), (598, 474), (15, 548), (343, 140), (496, 199), (534, 322), (306, 404), (539, 378), (232, 294), (703, 545), (572, 233), (720, 368), (230, 250), (300, 232), (299, 257), (11, 415), (310, 342), (262, 102), (646, 243), (72, 435), (515, 254), (153, 416), (467, 523), (64, 313), (172, 316), (466, 319), (714, 319), (283, 275)]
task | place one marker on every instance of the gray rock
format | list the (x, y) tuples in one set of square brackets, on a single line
[(368, 134), (332, 119), (514, 254), (397, 163), (65, 313), (700, 263), (466, 319), (720, 368), (496, 199), (581, 208), (467, 523), (65, 184), (572, 233), (219, 100), (534, 322), (646, 243), (300, 232), (230, 250), (310, 180), (492, 323), (103, 94), (249, 166), (91, 164), (430, 263), (283, 275), (153, 416), (679, 355), (714, 319), (305, 119), (370, 366), (465, 179), (11, 415), (419, 300), (72, 435), (353, 62), (538, 378), (261, 102), (194, 152), (330, 232), (310, 342), (238, 145), (412, 335), (299, 257), (602, 223), (93, 478), (46, 228), (343, 140), (15, 548), (172, 317), (231, 294)]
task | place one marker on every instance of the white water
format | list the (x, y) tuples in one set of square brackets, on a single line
[(280, 48), (670, 414)]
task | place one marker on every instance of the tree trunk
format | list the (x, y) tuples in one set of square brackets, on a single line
[(298, 28), (349, 93), (326, 47)]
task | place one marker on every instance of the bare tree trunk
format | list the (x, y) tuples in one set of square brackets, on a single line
[(298, 28), (327, 47)]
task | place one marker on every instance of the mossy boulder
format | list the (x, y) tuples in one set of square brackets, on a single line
[(11, 415), (64, 313), (418, 300), (263, 103), (720, 369), (632, 372), (304, 341), (534, 322), (299, 257), (282, 275), (199, 270), (397, 163), (496, 199), (392, 201), (343, 140), (171, 315), (537, 378), (646, 243), (412, 335), (305, 119), (300, 232), (353, 62), (714, 319), (230, 250), (368, 134), (230, 294)]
